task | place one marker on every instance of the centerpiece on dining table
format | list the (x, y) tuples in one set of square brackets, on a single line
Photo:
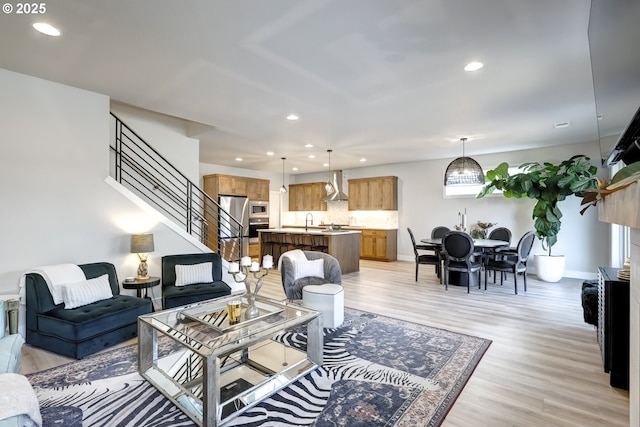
[(479, 230)]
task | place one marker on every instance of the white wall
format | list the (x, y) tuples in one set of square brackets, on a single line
[(56, 206), (422, 206), (166, 134)]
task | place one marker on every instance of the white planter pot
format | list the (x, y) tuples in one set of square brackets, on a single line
[(549, 268)]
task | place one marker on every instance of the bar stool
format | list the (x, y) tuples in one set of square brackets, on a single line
[(281, 244), (267, 242), (319, 243), (301, 241)]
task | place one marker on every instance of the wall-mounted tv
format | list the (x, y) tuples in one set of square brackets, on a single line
[(627, 149)]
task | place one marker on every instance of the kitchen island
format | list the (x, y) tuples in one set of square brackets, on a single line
[(344, 245)]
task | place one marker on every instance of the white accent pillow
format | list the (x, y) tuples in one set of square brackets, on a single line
[(85, 292), (309, 268), (194, 273)]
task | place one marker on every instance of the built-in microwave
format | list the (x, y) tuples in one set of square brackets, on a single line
[(258, 209)]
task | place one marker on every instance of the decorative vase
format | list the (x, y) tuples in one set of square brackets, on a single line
[(549, 268), (252, 310)]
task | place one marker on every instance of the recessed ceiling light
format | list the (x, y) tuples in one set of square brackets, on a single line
[(308, 145), (363, 160), (238, 159), (47, 29), (292, 117), (270, 153), (325, 165), (473, 66), (294, 168), (312, 156), (561, 125)]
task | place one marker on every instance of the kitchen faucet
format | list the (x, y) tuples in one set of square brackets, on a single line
[(306, 221)]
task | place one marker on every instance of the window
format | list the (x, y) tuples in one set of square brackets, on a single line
[(471, 190)]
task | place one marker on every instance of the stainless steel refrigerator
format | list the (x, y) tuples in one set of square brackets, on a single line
[(234, 207)]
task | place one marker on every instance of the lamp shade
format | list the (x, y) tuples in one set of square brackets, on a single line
[(142, 243), (464, 171)]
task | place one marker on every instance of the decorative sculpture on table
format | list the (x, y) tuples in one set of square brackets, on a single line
[(241, 274), (479, 231)]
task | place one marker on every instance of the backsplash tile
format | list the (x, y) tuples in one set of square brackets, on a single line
[(338, 213)]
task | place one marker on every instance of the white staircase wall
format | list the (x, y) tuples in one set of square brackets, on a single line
[(56, 206)]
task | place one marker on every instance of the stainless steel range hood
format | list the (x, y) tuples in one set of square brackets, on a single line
[(338, 195)]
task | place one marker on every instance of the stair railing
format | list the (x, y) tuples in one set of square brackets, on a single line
[(145, 172)]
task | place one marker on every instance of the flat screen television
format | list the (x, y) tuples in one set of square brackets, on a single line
[(627, 149), (614, 37)]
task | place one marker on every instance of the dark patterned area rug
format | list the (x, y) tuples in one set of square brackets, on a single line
[(377, 371)]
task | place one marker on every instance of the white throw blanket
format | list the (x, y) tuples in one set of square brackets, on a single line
[(294, 255), (56, 276), (18, 398)]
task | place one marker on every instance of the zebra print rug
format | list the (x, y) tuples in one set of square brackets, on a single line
[(377, 371)]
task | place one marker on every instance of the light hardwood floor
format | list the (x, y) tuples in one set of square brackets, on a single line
[(542, 369)]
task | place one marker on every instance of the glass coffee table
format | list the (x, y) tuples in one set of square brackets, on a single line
[(213, 370)]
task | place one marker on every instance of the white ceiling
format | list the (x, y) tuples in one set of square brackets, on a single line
[(375, 79)]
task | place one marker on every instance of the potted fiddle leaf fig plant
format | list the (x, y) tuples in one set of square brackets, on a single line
[(548, 184)]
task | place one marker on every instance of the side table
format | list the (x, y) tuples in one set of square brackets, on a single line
[(140, 284)]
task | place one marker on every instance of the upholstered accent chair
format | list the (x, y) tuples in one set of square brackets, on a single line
[(298, 270), (86, 329), (18, 393), (10, 347), (189, 284)]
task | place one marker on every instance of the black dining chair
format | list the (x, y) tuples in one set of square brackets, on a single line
[(430, 259), (439, 232), (458, 256), (500, 233), (513, 261)]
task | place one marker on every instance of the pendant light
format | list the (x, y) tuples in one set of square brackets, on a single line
[(329, 186), (283, 189), (463, 171)]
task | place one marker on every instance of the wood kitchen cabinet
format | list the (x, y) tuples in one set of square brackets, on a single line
[(258, 189), (233, 185), (253, 188), (307, 197), (379, 245), (377, 193)]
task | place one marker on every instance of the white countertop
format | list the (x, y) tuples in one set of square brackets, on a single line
[(309, 231), (344, 227)]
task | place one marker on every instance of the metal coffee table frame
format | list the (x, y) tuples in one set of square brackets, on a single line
[(214, 371)]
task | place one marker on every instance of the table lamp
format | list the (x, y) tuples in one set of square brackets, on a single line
[(142, 244)]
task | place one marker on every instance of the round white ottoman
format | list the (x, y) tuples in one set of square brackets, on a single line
[(327, 299)]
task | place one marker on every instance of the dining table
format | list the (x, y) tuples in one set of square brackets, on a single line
[(480, 245), (477, 243)]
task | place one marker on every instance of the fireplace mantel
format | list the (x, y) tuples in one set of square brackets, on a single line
[(622, 207)]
